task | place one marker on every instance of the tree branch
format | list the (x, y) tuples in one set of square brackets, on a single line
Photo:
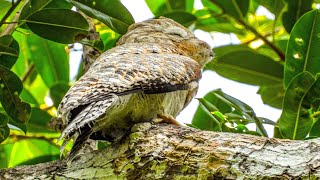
[(264, 39), (169, 152)]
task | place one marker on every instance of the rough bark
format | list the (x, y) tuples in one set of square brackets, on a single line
[(169, 152)]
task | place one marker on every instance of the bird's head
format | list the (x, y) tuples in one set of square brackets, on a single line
[(167, 31)]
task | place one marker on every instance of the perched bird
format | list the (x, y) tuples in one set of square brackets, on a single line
[(153, 72)]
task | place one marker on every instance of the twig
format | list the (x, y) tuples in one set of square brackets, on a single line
[(5, 17), (28, 73), (11, 27), (271, 45), (23, 137)]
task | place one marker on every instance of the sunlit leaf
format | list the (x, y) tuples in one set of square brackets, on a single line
[(247, 67), (235, 8), (160, 7), (4, 129), (302, 53), (295, 121), (295, 9), (110, 12), (32, 148), (9, 51), (67, 26), (40, 159), (5, 151), (10, 88), (50, 59)]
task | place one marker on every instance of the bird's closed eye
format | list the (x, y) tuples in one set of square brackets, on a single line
[(175, 34)]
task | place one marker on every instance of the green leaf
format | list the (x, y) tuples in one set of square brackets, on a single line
[(295, 122), (207, 21), (110, 12), (203, 120), (9, 51), (32, 148), (10, 88), (295, 9), (241, 108), (35, 5), (183, 18), (5, 151), (40, 159), (66, 27), (57, 92), (247, 67), (272, 95), (18, 126), (315, 130), (38, 121), (235, 8), (4, 129), (274, 6), (50, 59), (160, 7), (26, 96), (302, 52)]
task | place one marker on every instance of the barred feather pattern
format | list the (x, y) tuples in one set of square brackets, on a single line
[(134, 82)]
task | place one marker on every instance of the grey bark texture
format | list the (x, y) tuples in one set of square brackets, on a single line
[(164, 151)]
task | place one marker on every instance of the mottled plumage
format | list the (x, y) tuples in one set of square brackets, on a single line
[(152, 72)]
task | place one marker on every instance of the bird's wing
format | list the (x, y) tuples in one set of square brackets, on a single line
[(129, 73)]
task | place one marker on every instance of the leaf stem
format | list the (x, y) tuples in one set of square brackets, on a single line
[(264, 39), (28, 73), (11, 9)]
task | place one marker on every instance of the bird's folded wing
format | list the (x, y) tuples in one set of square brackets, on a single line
[(129, 73)]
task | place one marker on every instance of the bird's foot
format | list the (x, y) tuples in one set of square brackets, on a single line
[(166, 119)]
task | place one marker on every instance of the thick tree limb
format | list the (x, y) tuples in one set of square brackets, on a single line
[(169, 152)]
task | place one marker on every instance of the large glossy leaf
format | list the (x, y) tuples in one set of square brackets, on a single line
[(4, 129), (66, 27), (110, 12), (161, 7), (272, 95), (50, 59), (9, 51), (295, 9), (32, 148), (36, 5), (235, 8), (295, 121), (248, 67), (57, 92), (303, 47), (206, 21), (10, 88), (183, 18)]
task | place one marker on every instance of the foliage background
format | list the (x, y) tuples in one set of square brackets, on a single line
[(279, 55)]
